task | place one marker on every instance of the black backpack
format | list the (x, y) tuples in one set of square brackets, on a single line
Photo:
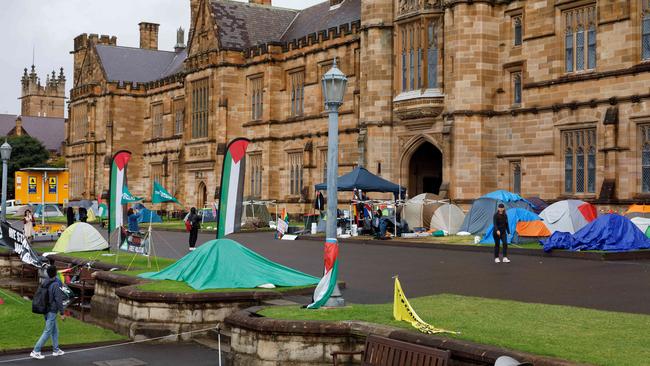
[(41, 300)]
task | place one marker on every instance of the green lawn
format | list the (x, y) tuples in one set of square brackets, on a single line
[(576, 334), (21, 327), (137, 262)]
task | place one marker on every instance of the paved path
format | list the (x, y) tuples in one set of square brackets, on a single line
[(172, 354)]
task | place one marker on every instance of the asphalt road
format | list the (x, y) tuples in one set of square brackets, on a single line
[(368, 271)]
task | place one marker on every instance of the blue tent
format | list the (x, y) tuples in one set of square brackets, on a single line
[(515, 215), (479, 217), (612, 233), (505, 196), (361, 178), (146, 214)]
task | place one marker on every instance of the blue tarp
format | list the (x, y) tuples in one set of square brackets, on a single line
[(361, 178), (515, 215), (479, 217), (610, 232), (146, 214)]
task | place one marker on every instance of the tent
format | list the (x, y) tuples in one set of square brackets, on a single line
[(425, 210), (80, 237), (224, 263), (643, 223), (50, 210), (638, 211), (361, 178), (538, 204), (611, 232), (479, 217), (515, 216), (255, 210), (532, 230), (568, 216)]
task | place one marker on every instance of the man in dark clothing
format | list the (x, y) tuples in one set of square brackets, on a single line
[(500, 233), (83, 214), (70, 215), (55, 305), (195, 224)]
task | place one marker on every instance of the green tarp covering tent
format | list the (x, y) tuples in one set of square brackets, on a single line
[(224, 263)]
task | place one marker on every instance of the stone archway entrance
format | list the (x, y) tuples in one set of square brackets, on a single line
[(425, 170), (202, 196)]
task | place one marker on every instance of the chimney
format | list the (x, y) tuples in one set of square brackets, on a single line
[(180, 40), (19, 126), (149, 35), (260, 2)]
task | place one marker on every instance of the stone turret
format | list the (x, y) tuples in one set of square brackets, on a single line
[(42, 100)]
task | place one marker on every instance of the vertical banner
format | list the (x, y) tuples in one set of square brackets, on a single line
[(232, 187), (51, 185), (118, 178), (327, 283), (32, 184)]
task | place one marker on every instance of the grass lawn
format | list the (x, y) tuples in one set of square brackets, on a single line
[(21, 327), (576, 334), (137, 262)]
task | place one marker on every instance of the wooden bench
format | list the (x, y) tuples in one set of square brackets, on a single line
[(382, 351), (85, 285)]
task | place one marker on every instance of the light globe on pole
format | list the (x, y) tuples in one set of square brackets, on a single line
[(5, 155), (334, 82), (5, 151)]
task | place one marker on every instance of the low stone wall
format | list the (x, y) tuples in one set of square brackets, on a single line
[(260, 341), (8, 260)]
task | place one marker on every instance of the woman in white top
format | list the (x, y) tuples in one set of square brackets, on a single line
[(28, 225)]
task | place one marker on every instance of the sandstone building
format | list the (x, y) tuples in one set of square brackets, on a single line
[(541, 97)]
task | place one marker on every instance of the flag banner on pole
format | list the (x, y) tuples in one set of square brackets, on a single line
[(232, 187), (118, 177), (403, 311), (161, 195), (282, 225), (327, 284), (15, 239), (127, 197)]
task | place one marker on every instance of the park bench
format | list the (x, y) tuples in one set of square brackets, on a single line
[(382, 351), (85, 285)]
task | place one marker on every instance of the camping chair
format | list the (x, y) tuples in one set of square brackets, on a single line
[(85, 285)]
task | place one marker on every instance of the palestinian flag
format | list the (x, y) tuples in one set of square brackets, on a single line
[(232, 187), (327, 284), (118, 178)]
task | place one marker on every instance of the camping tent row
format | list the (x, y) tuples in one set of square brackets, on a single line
[(428, 211)]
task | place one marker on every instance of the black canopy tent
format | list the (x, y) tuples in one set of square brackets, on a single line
[(361, 178)]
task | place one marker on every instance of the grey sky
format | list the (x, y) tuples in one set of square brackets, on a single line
[(51, 25)]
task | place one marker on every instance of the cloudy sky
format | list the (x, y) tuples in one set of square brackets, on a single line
[(49, 27)]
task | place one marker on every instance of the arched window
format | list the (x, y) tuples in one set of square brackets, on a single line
[(518, 34), (568, 44), (432, 58), (516, 86)]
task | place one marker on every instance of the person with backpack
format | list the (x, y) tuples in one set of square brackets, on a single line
[(194, 223), (48, 301)]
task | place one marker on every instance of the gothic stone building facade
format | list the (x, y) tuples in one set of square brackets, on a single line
[(542, 97)]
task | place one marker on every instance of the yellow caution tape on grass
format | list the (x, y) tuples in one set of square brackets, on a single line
[(403, 311)]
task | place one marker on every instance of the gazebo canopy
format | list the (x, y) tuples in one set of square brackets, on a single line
[(361, 178)]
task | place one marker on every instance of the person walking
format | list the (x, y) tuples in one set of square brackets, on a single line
[(194, 221), (54, 306), (28, 225), (70, 215), (500, 233), (133, 217)]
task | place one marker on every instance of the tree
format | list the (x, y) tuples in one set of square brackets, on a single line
[(26, 151)]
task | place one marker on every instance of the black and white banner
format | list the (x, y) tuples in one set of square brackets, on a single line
[(15, 239)]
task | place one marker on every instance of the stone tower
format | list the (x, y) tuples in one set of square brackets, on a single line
[(42, 100)]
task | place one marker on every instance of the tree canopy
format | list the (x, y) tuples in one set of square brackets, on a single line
[(26, 151)]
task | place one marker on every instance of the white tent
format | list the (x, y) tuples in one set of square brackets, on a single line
[(448, 217), (641, 222), (80, 237)]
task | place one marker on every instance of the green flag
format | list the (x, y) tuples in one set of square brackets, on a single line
[(127, 197), (161, 195)]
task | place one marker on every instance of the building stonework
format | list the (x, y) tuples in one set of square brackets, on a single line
[(38, 100), (546, 98)]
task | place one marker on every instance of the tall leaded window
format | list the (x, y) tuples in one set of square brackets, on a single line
[(411, 61), (517, 30), (157, 120), (295, 173), (255, 162), (200, 108), (79, 125), (256, 97), (404, 66), (580, 161), (515, 166), (432, 57), (419, 85), (516, 88), (179, 116), (156, 174), (297, 92), (645, 32), (580, 39), (174, 178), (645, 158)]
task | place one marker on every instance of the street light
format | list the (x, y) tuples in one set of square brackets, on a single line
[(334, 82), (5, 155)]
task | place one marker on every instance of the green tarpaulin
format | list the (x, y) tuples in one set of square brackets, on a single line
[(224, 263)]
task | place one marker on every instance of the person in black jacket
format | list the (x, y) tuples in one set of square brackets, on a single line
[(500, 233), (195, 224), (70, 215), (55, 305)]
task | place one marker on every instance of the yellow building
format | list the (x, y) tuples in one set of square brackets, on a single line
[(41, 185)]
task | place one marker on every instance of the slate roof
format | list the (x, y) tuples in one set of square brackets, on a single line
[(49, 131), (137, 64), (243, 25)]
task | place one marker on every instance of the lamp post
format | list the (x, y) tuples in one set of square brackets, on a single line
[(5, 155), (334, 82)]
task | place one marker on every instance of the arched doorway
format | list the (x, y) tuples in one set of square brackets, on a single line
[(202, 195), (425, 170)]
